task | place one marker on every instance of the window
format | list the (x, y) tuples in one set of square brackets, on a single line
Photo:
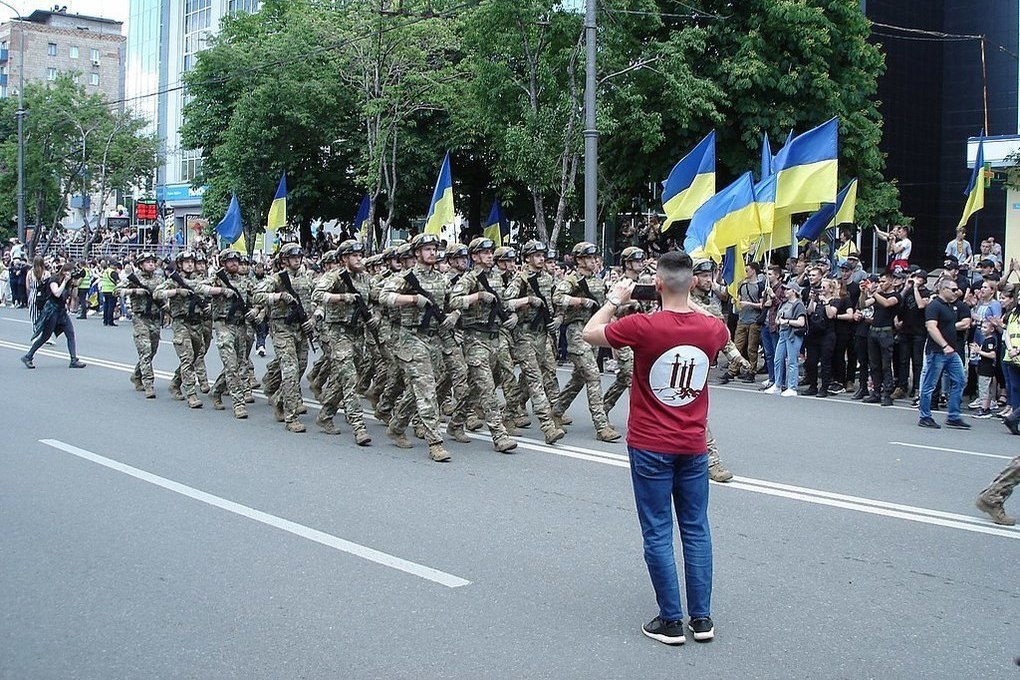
[(247, 6), (3, 45), (191, 164), (51, 49), (51, 74), (74, 51), (94, 79), (197, 21), (94, 55)]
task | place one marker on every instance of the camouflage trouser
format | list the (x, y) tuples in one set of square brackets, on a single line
[(271, 380), (146, 335), (206, 331), (713, 450), (420, 358), (586, 375), (480, 350), (504, 376), (545, 354), (1002, 486), (291, 346), (230, 341), (188, 345), (320, 370), (378, 357), (339, 383), (532, 380), (392, 383), (455, 384), (624, 373), (249, 366)]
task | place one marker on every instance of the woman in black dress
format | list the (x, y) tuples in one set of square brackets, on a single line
[(54, 319)]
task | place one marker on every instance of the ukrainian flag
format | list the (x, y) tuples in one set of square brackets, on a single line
[(766, 157), (975, 192), (724, 220), (831, 214), (691, 182), (765, 197), (806, 168), (782, 232), (277, 212), (441, 208), (495, 226), (361, 223)]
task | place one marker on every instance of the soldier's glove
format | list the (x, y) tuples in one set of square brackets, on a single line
[(510, 323), (308, 326), (486, 297), (535, 301), (422, 301), (319, 314), (286, 297), (229, 293), (183, 291), (251, 315), (589, 303), (554, 325), (450, 322)]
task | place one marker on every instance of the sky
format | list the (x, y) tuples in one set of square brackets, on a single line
[(108, 9)]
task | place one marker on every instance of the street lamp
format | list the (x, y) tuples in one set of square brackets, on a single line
[(21, 122)]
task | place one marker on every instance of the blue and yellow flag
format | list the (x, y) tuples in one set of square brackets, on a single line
[(441, 208), (361, 222), (766, 157), (765, 197), (724, 220), (975, 192), (277, 214), (831, 215), (230, 227), (806, 168), (497, 229), (691, 182)]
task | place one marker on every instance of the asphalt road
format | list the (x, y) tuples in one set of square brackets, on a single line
[(140, 539)]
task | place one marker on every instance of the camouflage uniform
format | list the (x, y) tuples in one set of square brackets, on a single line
[(516, 398), (290, 340), (205, 328), (187, 320), (995, 494), (625, 355), (146, 321), (454, 387), (418, 355), (230, 324), (391, 385), (581, 354)]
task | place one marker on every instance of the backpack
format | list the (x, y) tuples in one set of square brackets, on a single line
[(42, 293)]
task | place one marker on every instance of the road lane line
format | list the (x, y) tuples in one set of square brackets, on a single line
[(939, 448), (342, 545), (789, 491), (7, 318)]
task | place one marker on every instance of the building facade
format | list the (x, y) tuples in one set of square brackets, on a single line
[(90, 48)]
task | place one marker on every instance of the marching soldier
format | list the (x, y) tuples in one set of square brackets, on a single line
[(287, 294), (186, 320), (634, 260), (146, 318), (576, 298), (479, 296), (206, 327), (227, 291), (341, 295), (516, 408), (320, 369), (454, 388), (415, 295)]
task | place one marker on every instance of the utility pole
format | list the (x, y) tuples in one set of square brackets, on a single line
[(20, 113), (591, 134)]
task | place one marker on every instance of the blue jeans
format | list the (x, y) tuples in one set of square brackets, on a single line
[(662, 482), (787, 352), (934, 365), (768, 345), (1012, 374)]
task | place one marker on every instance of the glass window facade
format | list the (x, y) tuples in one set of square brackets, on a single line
[(197, 22), (191, 164), (94, 55), (51, 49), (248, 6)]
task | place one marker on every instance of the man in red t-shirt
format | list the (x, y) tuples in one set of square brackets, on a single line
[(666, 438)]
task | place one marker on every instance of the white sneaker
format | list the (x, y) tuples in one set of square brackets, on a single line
[(766, 383), (789, 392), (975, 404), (772, 390)]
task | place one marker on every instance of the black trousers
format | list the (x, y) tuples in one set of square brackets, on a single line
[(861, 355), (109, 307), (880, 356), (844, 343), (819, 349), (911, 357)]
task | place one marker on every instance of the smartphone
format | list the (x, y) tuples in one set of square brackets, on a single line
[(644, 291)]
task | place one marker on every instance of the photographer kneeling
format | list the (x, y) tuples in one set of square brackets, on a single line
[(54, 319)]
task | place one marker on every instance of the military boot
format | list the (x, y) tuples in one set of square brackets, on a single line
[(474, 423), (553, 433), (217, 402), (175, 393), (240, 412), (438, 453), (521, 420), (565, 419), (504, 444), (508, 424), (326, 424), (607, 434), (301, 408), (381, 416), (137, 382), (419, 432), (717, 473), (204, 386), (194, 402), (295, 426), (361, 436), (150, 393), (458, 434), (400, 439), (994, 510), (448, 407), (277, 409), (249, 398)]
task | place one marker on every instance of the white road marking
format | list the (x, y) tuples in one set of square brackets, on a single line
[(7, 318), (847, 502), (364, 552), (939, 448)]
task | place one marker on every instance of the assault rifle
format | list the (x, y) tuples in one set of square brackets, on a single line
[(195, 301), (297, 313), (544, 316), (238, 303), (361, 310), (497, 303), (433, 310), (137, 283)]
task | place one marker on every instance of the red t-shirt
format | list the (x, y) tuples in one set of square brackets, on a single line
[(669, 394)]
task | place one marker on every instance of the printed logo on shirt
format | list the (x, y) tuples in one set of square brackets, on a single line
[(679, 375)]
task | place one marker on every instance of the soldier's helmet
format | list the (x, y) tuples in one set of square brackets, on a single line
[(289, 250), (328, 258), (349, 247), (633, 253), (480, 244), (147, 255), (388, 253), (403, 251), (440, 255), (533, 246), (505, 253), (184, 255), (228, 254), (703, 265), (585, 249), (200, 256), (422, 240), (456, 250)]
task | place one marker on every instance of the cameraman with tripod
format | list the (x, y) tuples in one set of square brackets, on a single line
[(53, 318)]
